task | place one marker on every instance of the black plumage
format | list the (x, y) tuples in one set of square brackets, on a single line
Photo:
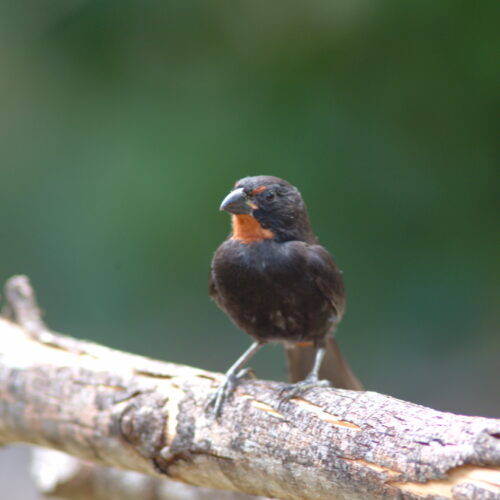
[(276, 292)]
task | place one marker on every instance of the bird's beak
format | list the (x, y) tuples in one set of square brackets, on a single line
[(237, 202)]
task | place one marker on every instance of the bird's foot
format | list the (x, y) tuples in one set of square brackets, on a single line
[(225, 389), (292, 390)]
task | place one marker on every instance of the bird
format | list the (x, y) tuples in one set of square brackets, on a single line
[(277, 283)]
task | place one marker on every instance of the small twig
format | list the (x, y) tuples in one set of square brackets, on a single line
[(21, 306)]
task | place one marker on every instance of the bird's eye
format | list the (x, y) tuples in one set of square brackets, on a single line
[(269, 196)]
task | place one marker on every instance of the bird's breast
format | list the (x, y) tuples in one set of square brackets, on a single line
[(265, 287)]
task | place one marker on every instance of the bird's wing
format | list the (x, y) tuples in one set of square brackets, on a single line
[(327, 277), (335, 368)]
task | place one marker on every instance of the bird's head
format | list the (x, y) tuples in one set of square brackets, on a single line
[(265, 207)]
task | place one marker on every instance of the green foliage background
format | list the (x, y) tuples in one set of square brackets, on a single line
[(123, 124)]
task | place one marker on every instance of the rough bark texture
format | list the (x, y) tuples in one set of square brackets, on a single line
[(126, 411)]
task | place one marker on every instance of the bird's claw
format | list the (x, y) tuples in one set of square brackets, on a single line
[(225, 389), (292, 390)]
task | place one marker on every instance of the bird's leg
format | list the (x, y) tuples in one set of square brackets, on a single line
[(231, 379), (311, 381), (318, 359)]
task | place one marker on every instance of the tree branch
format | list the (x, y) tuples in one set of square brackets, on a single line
[(121, 410), (59, 475)]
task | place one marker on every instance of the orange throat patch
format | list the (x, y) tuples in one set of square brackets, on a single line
[(246, 229)]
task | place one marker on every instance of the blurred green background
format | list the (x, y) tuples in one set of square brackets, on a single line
[(123, 125)]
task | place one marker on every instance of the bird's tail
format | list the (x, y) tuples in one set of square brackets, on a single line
[(334, 367)]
